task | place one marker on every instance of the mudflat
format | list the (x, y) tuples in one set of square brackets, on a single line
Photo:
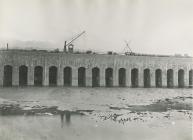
[(48, 113)]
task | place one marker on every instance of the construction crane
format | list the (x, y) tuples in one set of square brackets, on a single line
[(69, 45), (127, 49)]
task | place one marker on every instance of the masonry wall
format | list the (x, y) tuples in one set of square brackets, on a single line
[(31, 59)]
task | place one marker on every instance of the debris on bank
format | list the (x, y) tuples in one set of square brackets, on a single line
[(16, 109)]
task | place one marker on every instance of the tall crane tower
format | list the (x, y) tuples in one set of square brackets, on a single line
[(68, 46)]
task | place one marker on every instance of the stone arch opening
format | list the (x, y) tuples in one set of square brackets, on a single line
[(122, 77), (181, 78), (53, 76), (23, 72), (146, 78), (67, 76), (190, 78), (7, 77), (81, 77), (38, 76), (134, 77), (109, 77), (95, 77), (170, 78), (158, 78)]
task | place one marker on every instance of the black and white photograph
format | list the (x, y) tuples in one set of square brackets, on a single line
[(96, 69)]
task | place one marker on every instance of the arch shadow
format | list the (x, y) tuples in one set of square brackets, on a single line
[(170, 78), (122, 77), (7, 76), (181, 78), (158, 78), (95, 77), (23, 72), (191, 78), (53, 76), (82, 77), (109, 77), (146, 78), (38, 76), (67, 76), (134, 77)]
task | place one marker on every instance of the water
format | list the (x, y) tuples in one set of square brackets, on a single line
[(83, 128), (53, 128)]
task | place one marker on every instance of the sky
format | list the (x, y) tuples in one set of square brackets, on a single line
[(151, 26)]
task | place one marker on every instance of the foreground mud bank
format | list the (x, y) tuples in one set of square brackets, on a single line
[(165, 105), (16, 109), (177, 103), (180, 106)]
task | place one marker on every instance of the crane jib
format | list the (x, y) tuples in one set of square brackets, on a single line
[(75, 38)]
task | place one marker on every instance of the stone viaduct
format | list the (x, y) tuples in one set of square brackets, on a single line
[(42, 68)]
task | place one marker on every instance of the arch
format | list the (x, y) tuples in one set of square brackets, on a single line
[(23, 72), (158, 78), (146, 78), (53, 76), (170, 78), (95, 77), (181, 78), (122, 77), (109, 77), (67, 76), (82, 77), (7, 77), (191, 78), (38, 76), (134, 77)]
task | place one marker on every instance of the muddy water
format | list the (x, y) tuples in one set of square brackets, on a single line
[(55, 128), (83, 128)]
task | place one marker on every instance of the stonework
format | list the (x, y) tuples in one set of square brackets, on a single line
[(60, 60)]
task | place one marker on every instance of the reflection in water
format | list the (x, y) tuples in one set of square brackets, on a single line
[(62, 118), (67, 115)]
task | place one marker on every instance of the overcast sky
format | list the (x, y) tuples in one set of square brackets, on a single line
[(153, 26)]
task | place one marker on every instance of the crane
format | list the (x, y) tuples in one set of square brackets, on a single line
[(69, 44), (128, 49)]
